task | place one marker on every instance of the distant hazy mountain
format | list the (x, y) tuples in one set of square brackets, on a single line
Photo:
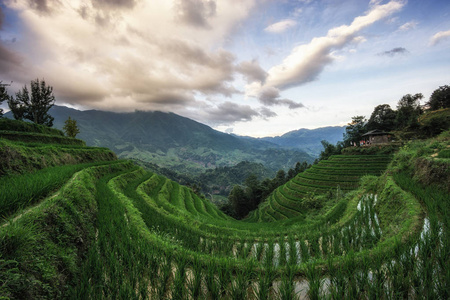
[(172, 141), (309, 139)]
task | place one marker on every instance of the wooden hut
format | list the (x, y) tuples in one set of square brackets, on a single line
[(375, 137)]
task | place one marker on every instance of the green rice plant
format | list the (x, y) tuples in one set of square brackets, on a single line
[(259, 251), (313, 276), (269, 254), (378, 280), (362, 277), (165, 272), (265, 284), (304, 251), (282, 261), (211, 281), (443, 261), (325, 243), (338, 284), (292, 250), (239, 286), (337, 240), (178, 287), (242, 281), (246, 249), (287, 286), (194, 283), (224, 278), (315, 246), (351, 269), (239, 246)]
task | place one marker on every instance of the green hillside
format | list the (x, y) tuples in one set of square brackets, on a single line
[(111, 230), (172, 141)]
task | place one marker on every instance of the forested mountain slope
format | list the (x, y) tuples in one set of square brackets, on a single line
[(172, 141)]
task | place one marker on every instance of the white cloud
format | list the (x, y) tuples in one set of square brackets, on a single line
[(281, 26), (307, 61), (438, 37), (408, 26)]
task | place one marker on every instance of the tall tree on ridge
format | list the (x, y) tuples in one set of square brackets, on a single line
[(35, 107), (355, 129), (383, 118), (408, 111), (440, 98)]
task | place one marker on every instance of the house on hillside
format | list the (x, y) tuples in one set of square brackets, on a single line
[(375, 137)]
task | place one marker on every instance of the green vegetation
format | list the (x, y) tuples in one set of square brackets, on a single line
[(71, 128), (33, 107), (174, 142), (359, 226)]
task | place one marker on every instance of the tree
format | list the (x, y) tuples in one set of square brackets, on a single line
[(408, 111), (383, 118), (35, 107), (355, 129), (253, 191), (239, 201), (71, 128), (440, 98), (330, 149)]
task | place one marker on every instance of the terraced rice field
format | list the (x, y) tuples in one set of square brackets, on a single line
[(340, 173), (155, 239)]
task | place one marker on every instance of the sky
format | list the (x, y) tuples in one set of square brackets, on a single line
[(249, 67)]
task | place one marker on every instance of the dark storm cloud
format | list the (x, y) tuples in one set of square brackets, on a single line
[(229, 112), (394, 51), (252, 71), (195, 12)]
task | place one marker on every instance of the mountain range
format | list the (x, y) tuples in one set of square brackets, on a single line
[(186, 146), (309, 140)]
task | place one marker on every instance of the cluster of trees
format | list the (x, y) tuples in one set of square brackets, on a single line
[(405, 117), (243, 199), (34, 105)]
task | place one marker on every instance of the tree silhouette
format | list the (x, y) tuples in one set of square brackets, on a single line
[(355, 130), (33, 107), (408, 111), (440, 98), (383, 118)]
